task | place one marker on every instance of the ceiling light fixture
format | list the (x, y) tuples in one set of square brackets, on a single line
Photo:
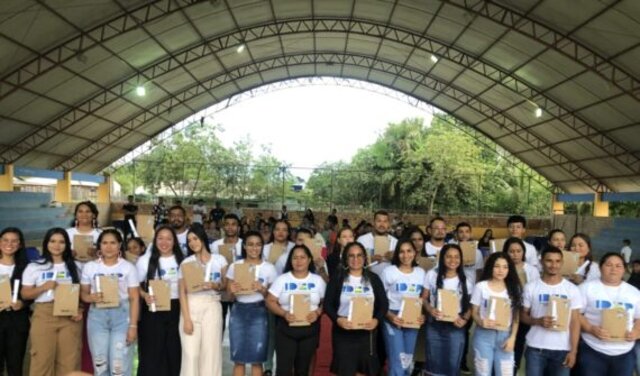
[(538, 112), (240, 48), (434, 58), (141, 91)]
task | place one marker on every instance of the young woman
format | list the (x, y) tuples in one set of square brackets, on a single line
[(85, 222), (56, 341), (403, 279), (493, 348), (557, 238), (588, 269), (201, 311), (14, 320), (515, 248), (159, 350), (135, 249), (354, 352), (344, 237), (597, 354), (445, 339), (248, 328), (296, 345), (417, 238), (485, 242), (111, 331)]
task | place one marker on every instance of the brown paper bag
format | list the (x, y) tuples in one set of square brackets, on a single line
[(468, 252), (66, 299), (503, 312), (562, 313), (410, 312), (110, 293), (614, 320), (162, 293), (427, 263), (193, 276), (276, 251), (569, 263), (82, 245), (5, 292), (315, 248), (497, 245), (245, 275), (522, 275), (300, 308), (449, 305), (380, 245), (131, 257), (227, 250), (360, 311)]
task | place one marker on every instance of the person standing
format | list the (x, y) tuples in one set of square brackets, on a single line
[(199, 212), (517, 226), (626, 251), (177, 220), (380, 228), (216, 214), (130, 210), (159, 212)]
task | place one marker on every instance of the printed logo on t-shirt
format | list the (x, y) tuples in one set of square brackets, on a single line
[(606, 304), (215, 276), (171, 272), (292, 286), (58, 275), (119, 275), (544, 298), (359, 289), (409, 288)]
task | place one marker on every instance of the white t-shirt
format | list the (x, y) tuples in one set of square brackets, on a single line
[(266, 275), (431, 250), (286, 285), (73, 231), (353, 287), (266, 251), (215, 248), (536, 296), (532, 273), (482, 295), (7, 270), (593, 274), (399, 285), (198, 212), (367, 241), (626, 253), (182, 241), (452, 284), (36, 275), (123, 269), (469, 270), (596, 296), (217, 264), (531, 255), (168, 271)]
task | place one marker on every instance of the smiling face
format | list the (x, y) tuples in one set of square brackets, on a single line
[(165, 242), (452, 259), (176, 219), (580, 246), (406, 254), (194, 242), (346, 237), (551, 263), (9, 243), (355, 258), (84, 215), (500, 269), (253, 247), (231, 227), (56, 245), (109, 246)]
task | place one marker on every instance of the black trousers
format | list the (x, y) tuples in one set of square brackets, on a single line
[(14, 332), (295, 347), (521, 339), (159, 349)]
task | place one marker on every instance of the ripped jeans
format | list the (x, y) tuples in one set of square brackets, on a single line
[(400, 343), (107, 336), (488, 353)]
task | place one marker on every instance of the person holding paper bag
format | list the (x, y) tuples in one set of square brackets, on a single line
[(56, 341), (354, 351), (403, 282), (551, 350), (85, 224), (588, 269), (344, 236), (445, 337), (599, 352), (296, 337), (496, 327), (279, 242), (380, 229), (517, 226), (201, 311), (248, 328), (159, 349), (111, 331), (14, 319)]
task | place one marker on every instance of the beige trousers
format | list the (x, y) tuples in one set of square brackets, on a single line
[(202, 350), (56, 343)]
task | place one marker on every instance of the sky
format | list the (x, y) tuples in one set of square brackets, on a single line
[(306, 126)]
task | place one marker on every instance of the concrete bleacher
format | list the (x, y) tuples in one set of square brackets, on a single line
[(30, 212), (610, 239)]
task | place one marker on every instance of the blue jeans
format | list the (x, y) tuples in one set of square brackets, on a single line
[(107, 337), (248, 333), (488, 353), (445, 345), (400, 344), (594, 363), (541, 362), (636, 350)]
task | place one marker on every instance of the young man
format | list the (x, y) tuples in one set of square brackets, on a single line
[(130, 210), (380, 228), (216, 214), (159, 212), (199, 211), (177, 220), (550, 352), (517, 226), (437, 231)]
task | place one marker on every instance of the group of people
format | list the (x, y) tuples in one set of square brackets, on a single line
[(275, 292)]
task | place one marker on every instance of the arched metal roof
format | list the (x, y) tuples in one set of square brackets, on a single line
[(69, 71)]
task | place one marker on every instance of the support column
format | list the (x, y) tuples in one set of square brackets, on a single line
[(557, 206), (104, 190), (6, 179), (600, 208), (63, 188)]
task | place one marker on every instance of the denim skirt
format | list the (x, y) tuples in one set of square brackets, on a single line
[(248, 333)]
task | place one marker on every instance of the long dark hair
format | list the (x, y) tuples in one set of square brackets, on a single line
[(336, 245), (416, 230), (344, 270), (94, 211), (514, 240), (589, 256), (249, 234), (273, 229), (67, 254), (198, 230), (117, 235), (154, 260), (514, 288), (289, 265), (442, 271), (20, 257), (395, 259)]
